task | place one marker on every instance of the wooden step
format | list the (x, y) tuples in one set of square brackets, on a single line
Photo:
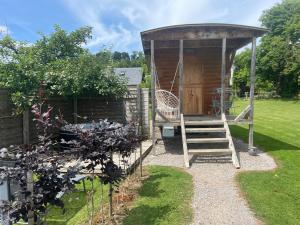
[(204, 130), (204, 122), (206, 140), (210, 151)]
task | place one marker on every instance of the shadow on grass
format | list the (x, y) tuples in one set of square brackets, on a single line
[(74, 202), (150, 214), (147, 215), (262, 140), (151, 187)]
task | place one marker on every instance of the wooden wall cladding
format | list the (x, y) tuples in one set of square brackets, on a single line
[(202, 75)]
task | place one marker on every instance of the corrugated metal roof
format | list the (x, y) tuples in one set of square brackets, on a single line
[(133, 74)]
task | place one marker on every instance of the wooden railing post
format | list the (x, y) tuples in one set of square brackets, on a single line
[(223, 71), (153, 102), (181, 77), (252, 84)]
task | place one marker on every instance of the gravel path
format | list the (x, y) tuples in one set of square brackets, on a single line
[(217, 199)]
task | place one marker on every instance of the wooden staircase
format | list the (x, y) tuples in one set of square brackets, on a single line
[(207, 138)]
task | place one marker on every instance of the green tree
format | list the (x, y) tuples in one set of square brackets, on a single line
[(242, 63), (60, 64), (278, 57)]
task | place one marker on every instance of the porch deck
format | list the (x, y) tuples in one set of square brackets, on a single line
[(231, 119)]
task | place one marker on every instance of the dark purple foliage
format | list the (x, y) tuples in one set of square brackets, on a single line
[(91, 144)]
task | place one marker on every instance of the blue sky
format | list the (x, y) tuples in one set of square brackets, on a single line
[(117, 23)]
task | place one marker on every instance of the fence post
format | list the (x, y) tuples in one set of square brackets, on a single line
[(26, 140), (110, 193), (145, 110), (30, 189), (140, 109), (141, 130)]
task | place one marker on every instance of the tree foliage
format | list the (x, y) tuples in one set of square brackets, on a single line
[(60, 64), (241, 71), (278, 55)]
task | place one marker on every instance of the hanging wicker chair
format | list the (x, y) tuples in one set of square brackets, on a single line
[(167, 104)]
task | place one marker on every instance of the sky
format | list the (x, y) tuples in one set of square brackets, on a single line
[(117, 23)]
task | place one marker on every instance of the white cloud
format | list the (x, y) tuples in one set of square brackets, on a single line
[(253, 17), (118, 23), (4, 30)]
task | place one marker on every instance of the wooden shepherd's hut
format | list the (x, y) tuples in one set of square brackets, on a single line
[(191, 71)]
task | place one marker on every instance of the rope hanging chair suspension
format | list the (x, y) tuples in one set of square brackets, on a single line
[(167, 102)]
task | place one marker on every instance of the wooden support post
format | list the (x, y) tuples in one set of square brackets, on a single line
[(252, 84), (181, 77), (153, 86), (75, 109), (223, 71)]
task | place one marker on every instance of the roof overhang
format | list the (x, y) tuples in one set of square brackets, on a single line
[(201, 35)]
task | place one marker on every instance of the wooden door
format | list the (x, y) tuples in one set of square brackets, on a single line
[(192, 85), (193, 100)]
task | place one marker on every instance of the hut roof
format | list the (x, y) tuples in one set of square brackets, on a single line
[(201, 35)]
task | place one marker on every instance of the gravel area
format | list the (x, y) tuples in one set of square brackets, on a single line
[(217, 198)]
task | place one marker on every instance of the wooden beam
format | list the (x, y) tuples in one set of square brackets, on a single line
[(198, 43), (153, 85), (252, 84), (235, 154), (223, 71), (243, 114), (181, 76)]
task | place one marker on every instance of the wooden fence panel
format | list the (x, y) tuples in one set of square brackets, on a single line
[(91, 108)]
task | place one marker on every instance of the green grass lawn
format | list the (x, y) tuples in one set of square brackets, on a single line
[(274, 196), (76, 207), (164, 198)]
